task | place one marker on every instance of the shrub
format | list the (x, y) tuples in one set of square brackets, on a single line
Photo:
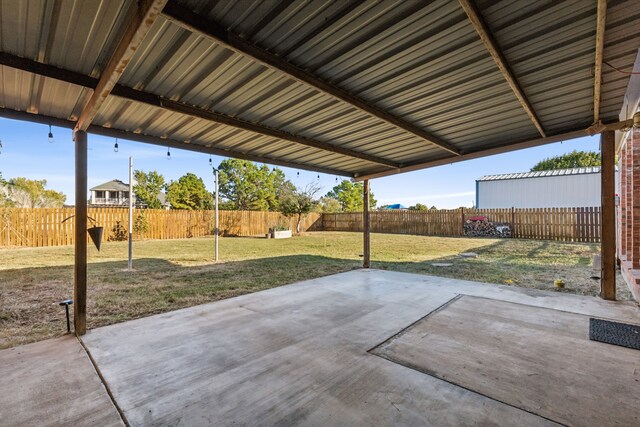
[(141, 224), (118, 233)]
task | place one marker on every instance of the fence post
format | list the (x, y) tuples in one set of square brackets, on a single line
[(513, 222), (462, 221)]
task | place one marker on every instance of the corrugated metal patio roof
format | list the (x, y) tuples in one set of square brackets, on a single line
[(355, 88)]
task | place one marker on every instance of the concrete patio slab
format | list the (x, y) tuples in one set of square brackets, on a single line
[(537, 359), (299, 354), (52, 383)]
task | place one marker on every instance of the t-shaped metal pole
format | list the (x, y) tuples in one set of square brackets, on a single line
[(66, 304)]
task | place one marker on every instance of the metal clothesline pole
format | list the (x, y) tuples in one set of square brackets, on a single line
[(215, 232), (130, 213)]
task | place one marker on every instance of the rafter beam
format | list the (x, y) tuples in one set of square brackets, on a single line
[(492, 47), (178, 107), (164, 142), (201, 25), (576, 133), (597, 71), (141, 16)]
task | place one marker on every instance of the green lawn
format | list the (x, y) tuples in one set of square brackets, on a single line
[(172, 274)]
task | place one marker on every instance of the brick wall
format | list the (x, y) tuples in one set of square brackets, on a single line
[(629, 212)]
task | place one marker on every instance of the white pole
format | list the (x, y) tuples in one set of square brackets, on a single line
[(216, 230), (130, 213)]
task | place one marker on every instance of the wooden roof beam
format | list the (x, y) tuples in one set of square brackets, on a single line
[(492, 47), (201, 25), (577, 133), (141, 16), (178, 107), (163, 142), (597, 83)]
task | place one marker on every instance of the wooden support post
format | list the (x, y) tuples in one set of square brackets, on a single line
[(80, 266), (608, 239), (366, 221)]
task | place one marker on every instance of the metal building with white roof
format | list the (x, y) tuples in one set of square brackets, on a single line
[(560, 188)]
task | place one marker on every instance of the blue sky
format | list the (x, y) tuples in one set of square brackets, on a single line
[(26, 152)]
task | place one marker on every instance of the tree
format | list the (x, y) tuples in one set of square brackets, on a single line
[(329, 205), (299, 202), (575, 159), (30, 193), (418, 207), (5, 201), (247, 186), (189, 192), (148, 187), (349, 195)]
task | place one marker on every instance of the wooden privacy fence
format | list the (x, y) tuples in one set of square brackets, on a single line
[(565, 224), (44, 226)]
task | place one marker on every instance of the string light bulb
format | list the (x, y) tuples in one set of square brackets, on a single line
[(0, 146), (318, 177), (336, 178), (168, 153), (50, 135), (210, 161), (298, 174), (115, 146)]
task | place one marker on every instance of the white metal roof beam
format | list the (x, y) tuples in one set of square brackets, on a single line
[(141, 16), (206, 27), (492, 47), (597, 83)]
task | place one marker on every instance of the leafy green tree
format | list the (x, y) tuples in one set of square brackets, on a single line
[(5, 201), (299, 202), (30, 193), (148, 188), (349, 195), (189, 192), (328, 205), (575, 159), (247, 186), (418, 207)]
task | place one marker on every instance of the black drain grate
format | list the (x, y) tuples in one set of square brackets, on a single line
[(622, 334)]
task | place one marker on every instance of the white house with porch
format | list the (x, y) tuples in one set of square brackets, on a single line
[(112, 193), (116, 193)]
